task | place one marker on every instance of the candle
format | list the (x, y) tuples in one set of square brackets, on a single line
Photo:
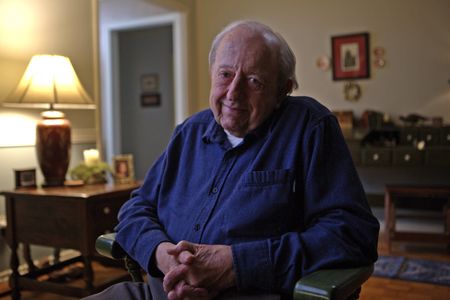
[(91, 157)]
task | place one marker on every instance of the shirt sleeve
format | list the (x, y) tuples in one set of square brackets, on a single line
[(139, 231), (339, 229)]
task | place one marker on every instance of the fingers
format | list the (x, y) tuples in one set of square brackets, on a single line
[(185, 291), (182, 246), (174, 276), (184, 251), (186, 258)]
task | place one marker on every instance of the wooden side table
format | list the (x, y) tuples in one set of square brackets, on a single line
[(61, 217), (394, 192)]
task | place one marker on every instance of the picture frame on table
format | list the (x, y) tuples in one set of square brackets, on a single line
[(25, 178), (123, 167), (350, 56)]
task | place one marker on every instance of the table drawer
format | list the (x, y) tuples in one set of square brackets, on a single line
[(104, 215), (49, 222)]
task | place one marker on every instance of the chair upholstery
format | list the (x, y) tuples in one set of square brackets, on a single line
[(333, 284)]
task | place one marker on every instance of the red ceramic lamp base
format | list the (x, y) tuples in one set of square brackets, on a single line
[(53, 142)]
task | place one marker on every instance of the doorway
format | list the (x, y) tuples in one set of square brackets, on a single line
[(127, 125), (146, 105)]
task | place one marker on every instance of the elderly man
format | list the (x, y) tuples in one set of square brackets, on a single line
[(251, 194)]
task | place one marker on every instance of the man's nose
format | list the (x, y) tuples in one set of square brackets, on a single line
[(236, 89)]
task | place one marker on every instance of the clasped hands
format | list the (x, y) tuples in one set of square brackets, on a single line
[(195, 271)]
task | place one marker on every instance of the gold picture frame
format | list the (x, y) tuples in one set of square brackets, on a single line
[(123, 168)]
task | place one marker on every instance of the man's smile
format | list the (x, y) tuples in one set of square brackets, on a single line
[(233, 108)]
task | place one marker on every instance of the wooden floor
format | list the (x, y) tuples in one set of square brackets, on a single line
[(389, 289), (374, 289)]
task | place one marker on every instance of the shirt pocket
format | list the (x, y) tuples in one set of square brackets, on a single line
[(260, 179), (261, 206)]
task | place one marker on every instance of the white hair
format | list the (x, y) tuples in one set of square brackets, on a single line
[(276, 42)]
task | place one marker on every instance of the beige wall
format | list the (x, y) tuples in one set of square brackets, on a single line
[(29, 27), (415, 34)]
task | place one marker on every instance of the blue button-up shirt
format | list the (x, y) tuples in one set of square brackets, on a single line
[(287, 199)]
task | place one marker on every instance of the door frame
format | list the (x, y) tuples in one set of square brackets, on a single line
[(110, 100)]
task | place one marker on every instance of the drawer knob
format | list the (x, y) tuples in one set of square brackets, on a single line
[(409, 137), (407, 157), (106, 210), (376, 157), (448, 137), (429, 137)]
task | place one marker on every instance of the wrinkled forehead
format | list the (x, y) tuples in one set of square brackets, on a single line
[(248, 45)]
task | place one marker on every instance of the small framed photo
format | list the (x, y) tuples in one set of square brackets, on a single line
[(123, 168), (350, 55), (25, 178), (149, 83)]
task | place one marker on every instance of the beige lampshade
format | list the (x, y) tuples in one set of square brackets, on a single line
[(49, 81)]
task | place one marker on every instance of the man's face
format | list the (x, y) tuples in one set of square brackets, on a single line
[(244, 78)]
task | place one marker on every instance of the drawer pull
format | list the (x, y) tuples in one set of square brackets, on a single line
[(429, 137), (407, 157), (409, 137), (106, 210), (376, 157)]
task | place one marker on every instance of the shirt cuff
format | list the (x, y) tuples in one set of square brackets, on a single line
[(252, 265), (143, 249), (152, 268)]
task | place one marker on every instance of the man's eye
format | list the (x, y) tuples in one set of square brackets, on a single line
[(255, 83), (225, 74)]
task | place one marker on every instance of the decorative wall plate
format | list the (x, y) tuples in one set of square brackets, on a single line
[(352, 91)]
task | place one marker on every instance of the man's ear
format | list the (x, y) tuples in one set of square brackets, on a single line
[(289, 85), (284, 91)]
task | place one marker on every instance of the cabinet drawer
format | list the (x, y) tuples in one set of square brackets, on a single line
[(407, 156), (430, 135), (437, 156), (355, 152), (445, 136), (409, 135), (376, 156)]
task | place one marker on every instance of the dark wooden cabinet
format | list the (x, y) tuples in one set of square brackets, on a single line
[(402, 147), (61, 217)]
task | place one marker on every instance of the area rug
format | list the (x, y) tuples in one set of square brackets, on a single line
[(399, 267)]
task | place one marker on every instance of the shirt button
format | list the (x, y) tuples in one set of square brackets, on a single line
[(197, 227), (215, 190)]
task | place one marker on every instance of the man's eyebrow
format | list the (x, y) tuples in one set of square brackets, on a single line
[(225, 67)]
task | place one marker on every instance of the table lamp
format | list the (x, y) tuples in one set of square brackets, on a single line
[(50, 82)]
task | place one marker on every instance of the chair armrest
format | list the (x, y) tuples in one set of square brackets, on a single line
[(332, 284), (107, 246)]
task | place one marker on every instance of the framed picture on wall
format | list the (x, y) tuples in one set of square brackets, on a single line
[(123, 168), (149, 83), (350, 55), (150, 99)]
